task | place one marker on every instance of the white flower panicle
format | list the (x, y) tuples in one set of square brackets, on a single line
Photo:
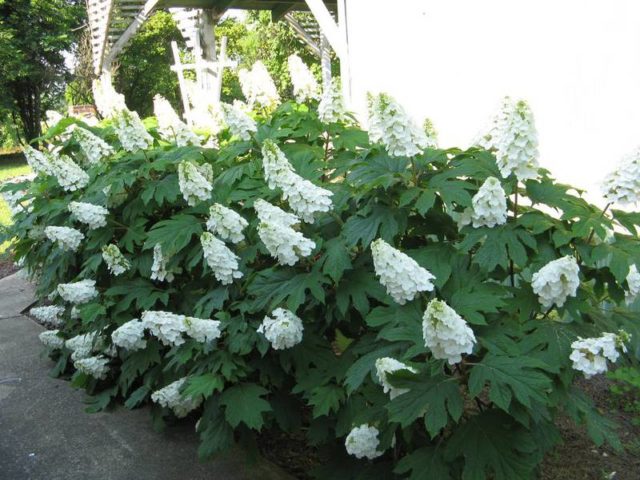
[(205, 114), (170, 126), (78, 292), (107, 100), (305, 86), (115, 260), (399, 273), (195, 181), (271, 214), (633, 280), (239, 122), (159, 267), (331, 108), (388, 365), (222, 261), (169, 327), (50, 315), (93, 147), (590, 355), (12, 199), (623, 184), (283, 242), (131, 131), (92, 215), (226, 224), (489, 205), (38, 161), (66, 238), (130, 335), (431, 133), (258, 87), (514, 138), (69, 175), (51, 340), (283, 329), (170, 397), (363, 442), (304, 198), (446, 333), (202, 330), (556, 281), (84, 345), (391, 126), (96, 367)]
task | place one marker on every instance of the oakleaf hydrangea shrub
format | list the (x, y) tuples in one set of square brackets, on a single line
[(409, 314)]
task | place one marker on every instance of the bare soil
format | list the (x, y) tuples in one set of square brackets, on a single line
[(7, 267)]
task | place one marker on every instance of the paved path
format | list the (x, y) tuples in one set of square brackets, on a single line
[(46, 435)]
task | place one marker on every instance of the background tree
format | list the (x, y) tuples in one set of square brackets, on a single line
[(34, 34), (144, 67)]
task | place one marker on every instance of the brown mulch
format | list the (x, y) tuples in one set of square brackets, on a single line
[(577, 458), (7, 267)]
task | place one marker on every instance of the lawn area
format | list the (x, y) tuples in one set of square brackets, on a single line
[(10, 166)]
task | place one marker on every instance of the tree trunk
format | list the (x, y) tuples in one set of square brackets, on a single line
[(27, 97)]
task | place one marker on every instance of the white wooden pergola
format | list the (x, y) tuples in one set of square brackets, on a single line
[(114, 22)]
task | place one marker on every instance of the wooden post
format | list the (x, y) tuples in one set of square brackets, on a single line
[(345, 63), (222, 62), (179, 69), (325, 62)]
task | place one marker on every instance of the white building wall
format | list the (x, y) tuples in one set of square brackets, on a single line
[(577, 62)]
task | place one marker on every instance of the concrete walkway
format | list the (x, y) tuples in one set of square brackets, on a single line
[(45, 433)]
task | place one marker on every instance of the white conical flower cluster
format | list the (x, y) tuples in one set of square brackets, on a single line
[(130, 335), (68, 174), (78, 292), (305, 86), (399, 273), (12, 199), (93, 147), (96, 367), (222, 261), (276, 232), (92, 215), (51, 340), (363, 442), (159, 268), (390, 125), (446, 333), (131, 131), (195, 181), (170, 126), (237, 119), (590, 355), (49, 315), (38, 161), (107, 100), (515, 140), (170, 397), (331, 108), (226, 224), (115, 260), (205, 114), (431, 133), (169, 327), (623, 184), (258, 87), (84, 345), (66, 238), (388, 365), (304, 198), (283, 329), (489, 205), (556, 281), (633, 280)]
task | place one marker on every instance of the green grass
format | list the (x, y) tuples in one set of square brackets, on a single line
[(9, 168)]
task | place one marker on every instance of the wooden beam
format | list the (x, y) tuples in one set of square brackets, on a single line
[(303, 34), (129, 32), (328, 27), (280, 11)]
